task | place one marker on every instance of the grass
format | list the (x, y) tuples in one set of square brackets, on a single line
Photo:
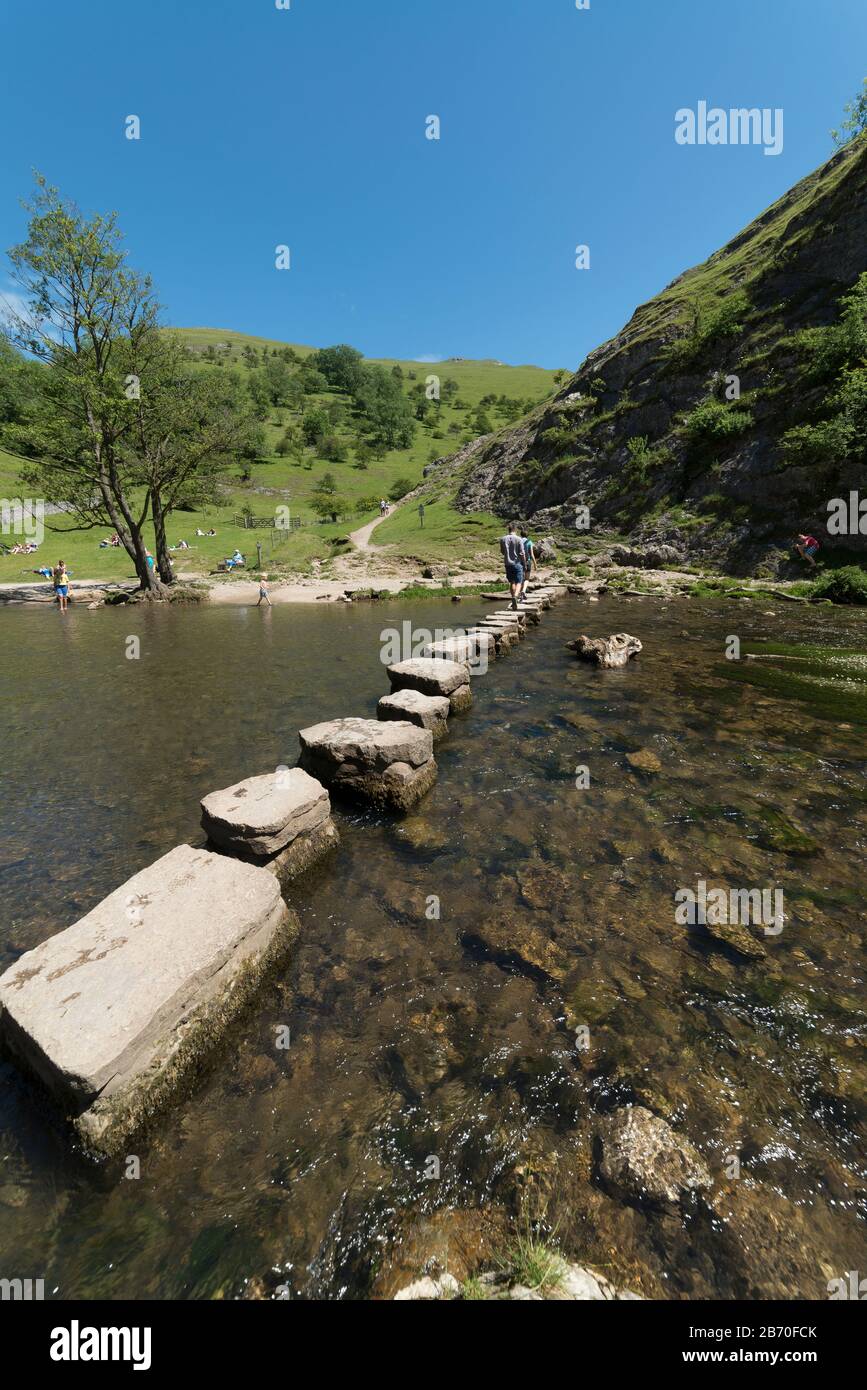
[(535, 1264), (275, 482)]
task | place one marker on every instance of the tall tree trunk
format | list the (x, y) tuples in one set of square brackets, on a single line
[(164, 564)]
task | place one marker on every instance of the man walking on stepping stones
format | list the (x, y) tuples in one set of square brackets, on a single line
[(513, 553), (529, 562)]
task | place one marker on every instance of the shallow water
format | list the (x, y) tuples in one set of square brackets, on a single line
[(416, 1038)]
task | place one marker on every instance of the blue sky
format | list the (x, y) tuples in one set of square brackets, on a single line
[(306, 127)]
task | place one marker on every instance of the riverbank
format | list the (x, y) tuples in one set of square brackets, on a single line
[(243, 590)]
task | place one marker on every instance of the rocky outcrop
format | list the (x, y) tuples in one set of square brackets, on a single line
[(433, 676), (643, 1160), (610, 653), (658, 557), (111, 1014), (647, 440), (387, 763)]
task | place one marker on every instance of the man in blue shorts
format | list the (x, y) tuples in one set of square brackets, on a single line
[(513, 553)]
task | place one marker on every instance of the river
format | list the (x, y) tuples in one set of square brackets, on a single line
[(445, 960)]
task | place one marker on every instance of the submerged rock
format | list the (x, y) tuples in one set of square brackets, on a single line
[(644, 761), (778, 833), (610, 653), (643, 1159)]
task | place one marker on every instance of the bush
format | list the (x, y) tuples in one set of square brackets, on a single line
[(713, 420), (846, 585), (400, 488)]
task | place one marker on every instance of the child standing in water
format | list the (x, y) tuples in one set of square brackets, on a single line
[(263, 592), (61, 585)]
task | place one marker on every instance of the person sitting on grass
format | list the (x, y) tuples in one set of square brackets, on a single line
[(807, 547)]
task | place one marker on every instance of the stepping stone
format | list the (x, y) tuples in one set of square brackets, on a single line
[(281, 822), (427, 711), (502, 636), (111, 1014), (264, 814), (434, 676), (528, 615), (386, 762), (510, 624), (476, 651)]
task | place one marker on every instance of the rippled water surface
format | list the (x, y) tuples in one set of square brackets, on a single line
[(454, 1038)]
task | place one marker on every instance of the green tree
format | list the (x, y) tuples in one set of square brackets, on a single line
[(856, 119), (82, 299), (290, 443), (126, 429), (315, 425), (341, 367), (386, 409)]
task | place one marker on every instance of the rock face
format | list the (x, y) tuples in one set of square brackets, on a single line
[(388, 763), (432, 676), (643, 1160), (608, 652), (410, 706), (263, 815), (111, 1013)]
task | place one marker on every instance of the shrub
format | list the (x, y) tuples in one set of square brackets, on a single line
[(714, 420), (846, 585)]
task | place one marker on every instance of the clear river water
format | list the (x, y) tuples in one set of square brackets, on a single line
[(454, 1037)]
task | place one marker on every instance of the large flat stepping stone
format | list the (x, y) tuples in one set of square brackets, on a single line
[(388, 763), (112, 1013), (427, 711), (263, 815), (433, 676)]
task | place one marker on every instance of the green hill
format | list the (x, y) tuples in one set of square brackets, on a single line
[(727, 413), (360, 477)]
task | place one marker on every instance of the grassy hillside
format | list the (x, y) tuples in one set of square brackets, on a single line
[(271, 481), (729, 410)]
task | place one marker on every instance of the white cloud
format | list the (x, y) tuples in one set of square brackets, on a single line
[(429, 357)]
